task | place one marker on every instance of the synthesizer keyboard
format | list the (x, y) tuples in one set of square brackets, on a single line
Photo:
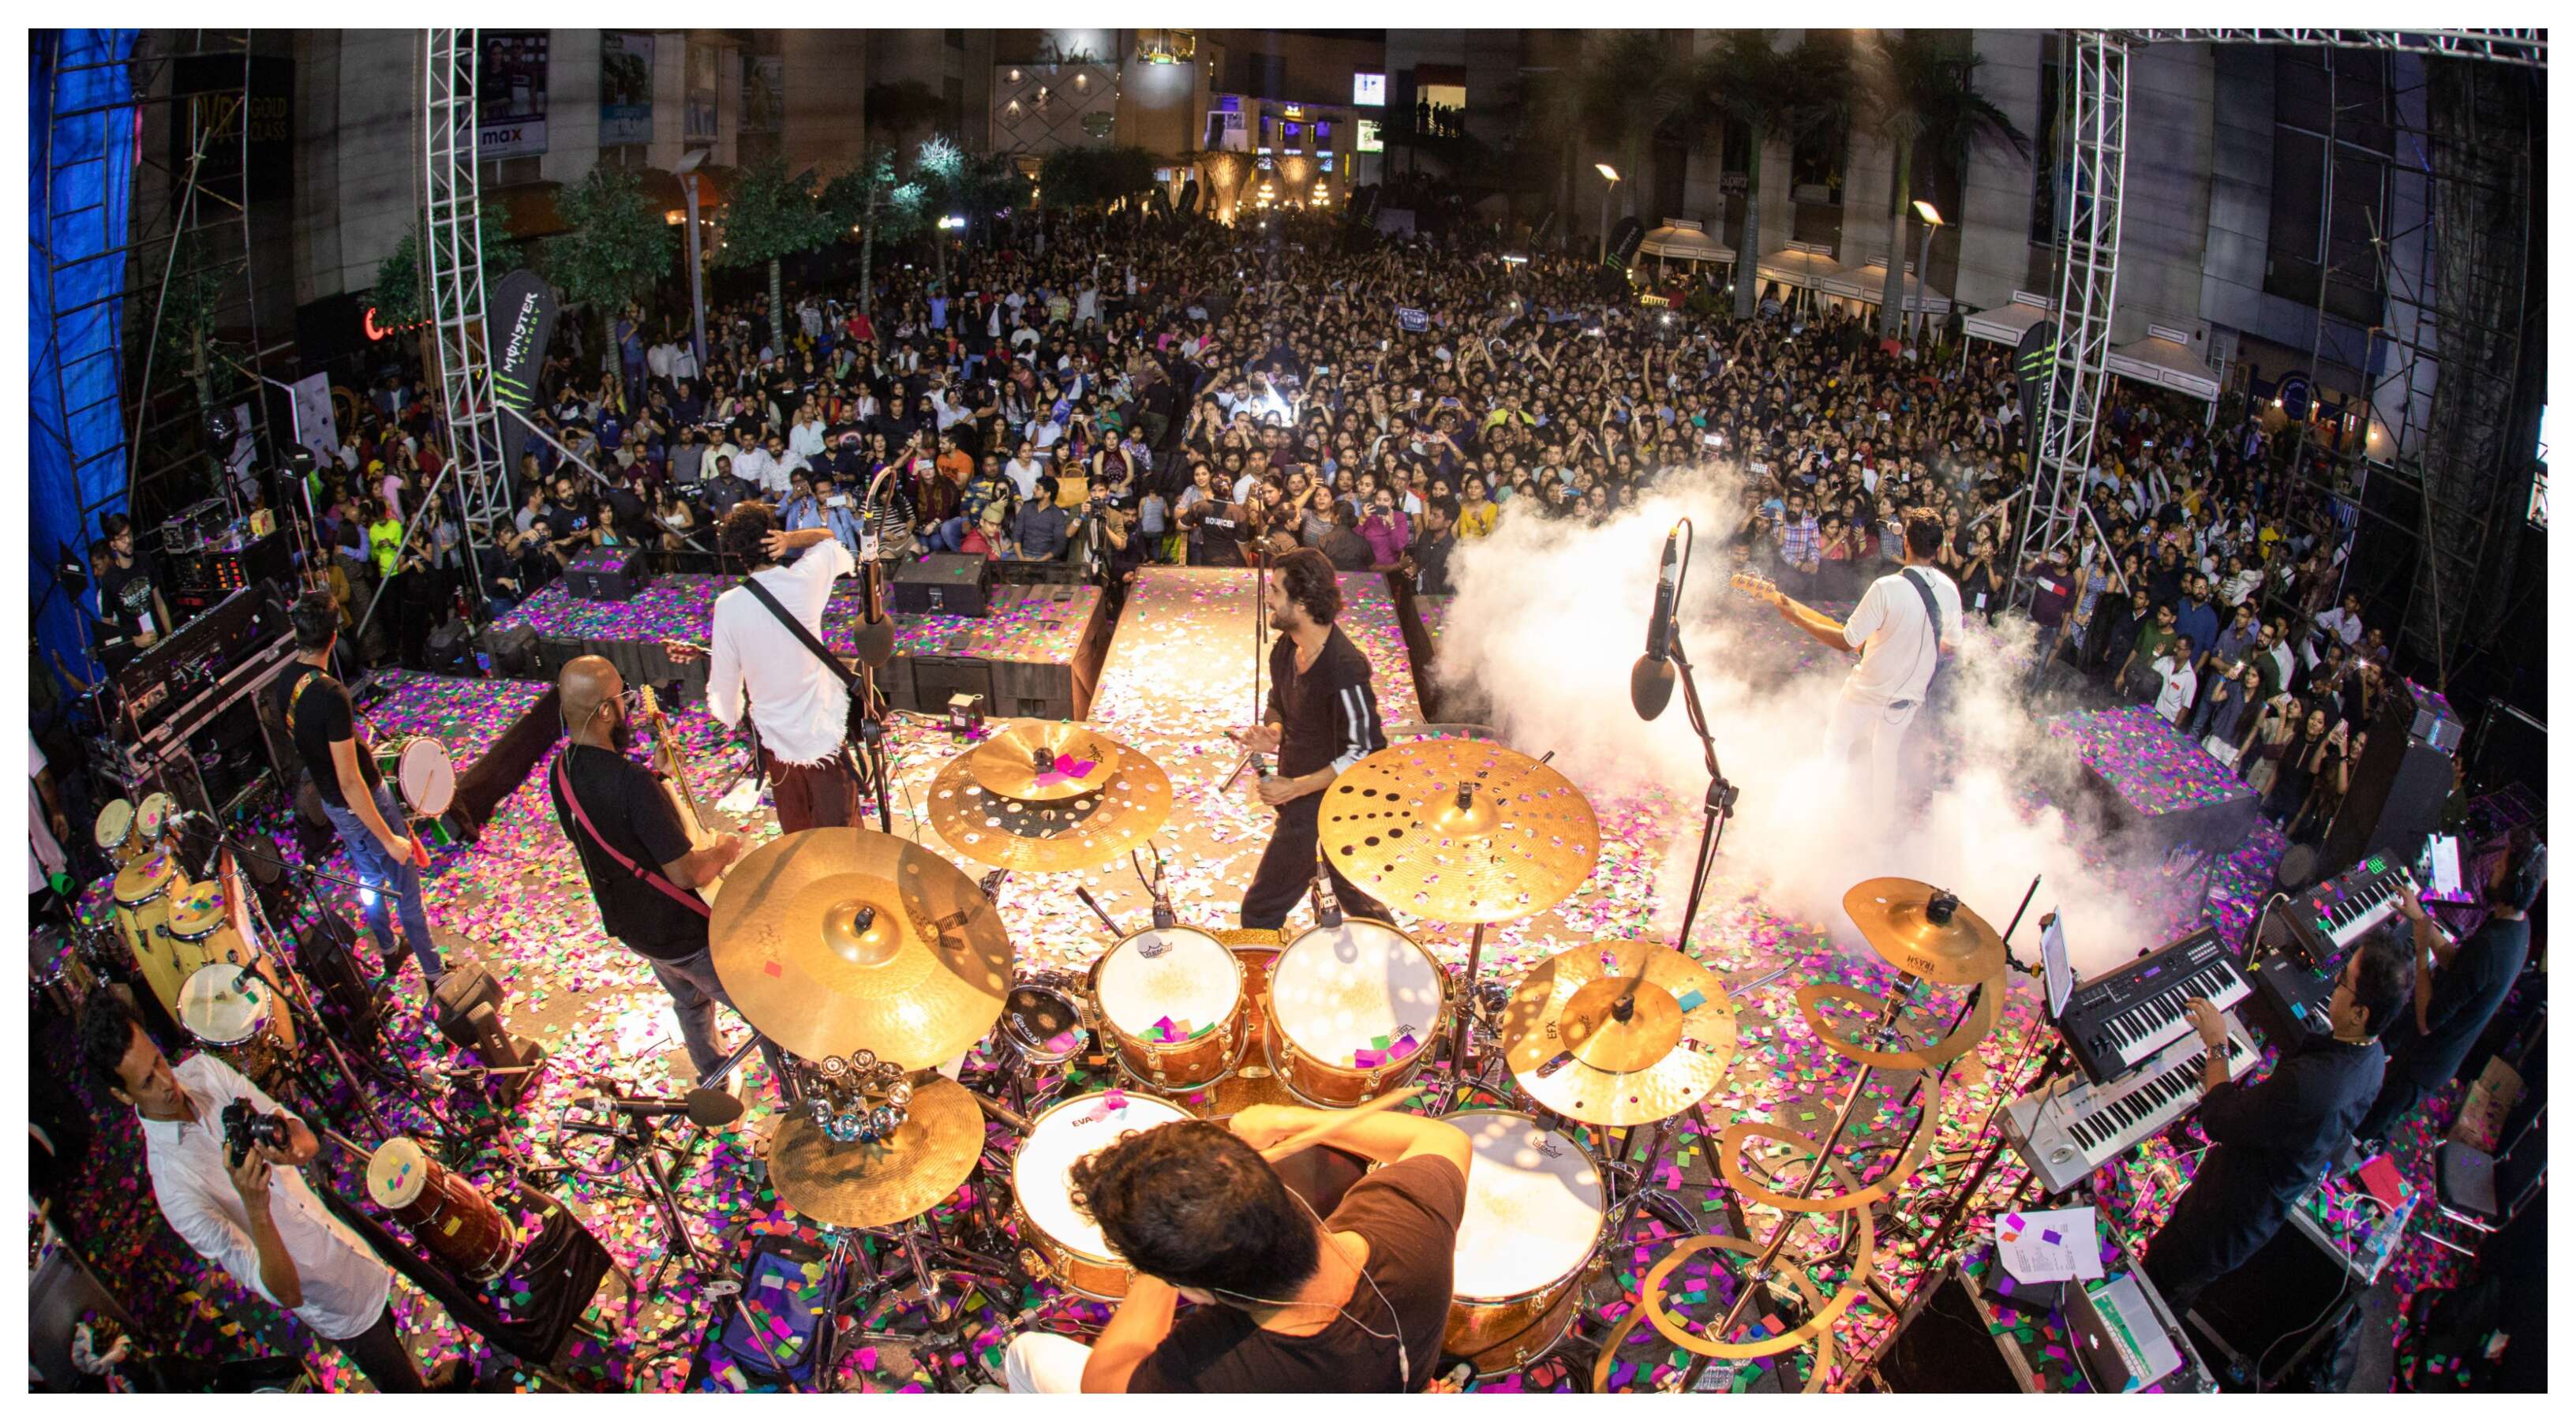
[(2330, 917), (2072, 1127), (2115, 1023)]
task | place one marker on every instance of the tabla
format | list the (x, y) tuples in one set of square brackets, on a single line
[(1352, 1010), (1172, 1003), (153, 820), (422, 773), (445, 1212), (113, 833), (239, 1026), (1058, 1238), (1534, 1217)]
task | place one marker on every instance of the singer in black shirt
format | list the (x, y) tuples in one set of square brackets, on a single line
[(1322, 719)]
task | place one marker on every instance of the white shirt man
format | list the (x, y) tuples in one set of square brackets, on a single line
[(806, 438), (800, 709), (754, 466), (2181, 684), (658, 359), (2343, 622), (1900, 644), (684, 362), (1024, 471)]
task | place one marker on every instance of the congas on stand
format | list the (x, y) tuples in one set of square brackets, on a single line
[(1352, 1011), (142, 892), (1172, 1005), (1058, 1239), (446, 1214), (1535, 1212), (113, 833), (155, 822), (237, 1024)]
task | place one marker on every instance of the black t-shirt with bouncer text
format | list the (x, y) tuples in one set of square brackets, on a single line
[(629, 809), (314, 707), (1409, 1214)]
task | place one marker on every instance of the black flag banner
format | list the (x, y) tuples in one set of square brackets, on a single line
[(2032, 361), (518, 321)]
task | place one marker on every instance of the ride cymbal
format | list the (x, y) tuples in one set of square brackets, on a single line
[(1043, 760), (830, 940), (1925, 931), (1568, 1048), (1459, 831), (863, 1186), (1081, 831)]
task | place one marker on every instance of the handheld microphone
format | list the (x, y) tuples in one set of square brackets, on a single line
[(1328, 905), (702, 1106), (1650, 681)]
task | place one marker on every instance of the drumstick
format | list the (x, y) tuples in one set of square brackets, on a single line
[(1338, 1124)]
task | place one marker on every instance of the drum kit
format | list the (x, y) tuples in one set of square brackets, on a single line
[(885, 973)]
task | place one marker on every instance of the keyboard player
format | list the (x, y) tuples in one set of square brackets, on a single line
[(2273, 1139)]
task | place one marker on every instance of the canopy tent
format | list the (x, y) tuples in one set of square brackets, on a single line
[(2005, 324), (1797, 265), (1867, 282), (2165, 359), (1682, 241)]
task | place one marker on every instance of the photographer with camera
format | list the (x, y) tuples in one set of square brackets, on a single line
[(223, 1159)]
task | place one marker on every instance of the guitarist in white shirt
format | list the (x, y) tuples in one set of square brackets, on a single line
[(1904, 625)]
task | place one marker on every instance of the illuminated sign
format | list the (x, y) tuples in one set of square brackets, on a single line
[(1369, 89), (1369, 139)]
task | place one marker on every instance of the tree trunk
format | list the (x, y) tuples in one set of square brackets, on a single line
[(867, 260), (1748, 249), (777, 311), (1891, 304)]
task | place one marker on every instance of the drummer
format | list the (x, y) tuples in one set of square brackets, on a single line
[(259, 1220), (316, 711), (1287, 1302)]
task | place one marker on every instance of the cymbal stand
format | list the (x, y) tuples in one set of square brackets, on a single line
[(931, 1265), (1633, 1180), (299, 1003)]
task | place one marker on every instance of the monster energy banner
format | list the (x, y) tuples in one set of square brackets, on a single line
[(518, 323), (2032, 360)]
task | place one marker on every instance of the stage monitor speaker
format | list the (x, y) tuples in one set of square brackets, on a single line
[(2395, 798), (467, 1004), (936, 679), (952, 584), (1945, 1346)]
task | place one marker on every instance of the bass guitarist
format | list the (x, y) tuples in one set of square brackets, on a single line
[(766, 645)]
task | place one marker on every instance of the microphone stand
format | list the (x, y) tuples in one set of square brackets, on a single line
[(1260, 613), (872, 711)]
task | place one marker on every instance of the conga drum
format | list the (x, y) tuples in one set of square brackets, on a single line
[(154, 821), (143, 892), (237, 1024), (446, 1214), (113, 833)]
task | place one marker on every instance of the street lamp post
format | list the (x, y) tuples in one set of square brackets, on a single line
[(1923, 266), (688, 173), (1612, 174)]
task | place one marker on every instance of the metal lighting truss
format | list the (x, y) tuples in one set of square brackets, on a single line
[(2526, 47), (453, 258)]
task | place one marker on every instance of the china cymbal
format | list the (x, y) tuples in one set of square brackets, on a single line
[(1043, 760), (1459, 831), (1081, 831), (1925, 931), (862, 1186), (830, 940), (1568, 1049)]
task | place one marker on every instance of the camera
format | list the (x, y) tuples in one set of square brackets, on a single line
[(245, 1127)]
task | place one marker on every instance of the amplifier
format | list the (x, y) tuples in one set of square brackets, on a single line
[(2425, 713), (956, 584), (606, 574)]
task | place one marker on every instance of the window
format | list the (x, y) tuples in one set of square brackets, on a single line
[(1324, 161), (1369, 89), (1323, 135), (1368, 137), (1292, 136), (2332, 124)]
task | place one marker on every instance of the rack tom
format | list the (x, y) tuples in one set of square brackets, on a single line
[(1172, 1003)]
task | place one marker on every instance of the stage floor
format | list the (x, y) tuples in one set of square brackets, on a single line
[(1179, 672)]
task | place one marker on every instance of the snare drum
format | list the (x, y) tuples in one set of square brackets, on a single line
[(113, 833), (1352, 1011), (1172, 1002), (239, 1026), (422, 773), (152, 820), (1057, 1238), (1534, 1217), (445, 1212)]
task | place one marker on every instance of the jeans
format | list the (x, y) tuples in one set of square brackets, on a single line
[(379, 869), (947, 538), (695, 990), (380, 1355)]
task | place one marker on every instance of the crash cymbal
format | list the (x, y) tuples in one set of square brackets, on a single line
[(1459, 831), (862, 1186), (1925, 931), (1082, 831), (831, 940), (1569, 1050), (1043, 760)]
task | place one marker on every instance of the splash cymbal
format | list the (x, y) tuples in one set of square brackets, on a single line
[(1568, 1048), (851, 1185), (830, 940), (1925, 931), (1043, 760), (1081, 831), (1459, 831)]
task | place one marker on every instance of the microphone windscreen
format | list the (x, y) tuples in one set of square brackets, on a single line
[(713, 1108), (1650, 687), (874, 642)]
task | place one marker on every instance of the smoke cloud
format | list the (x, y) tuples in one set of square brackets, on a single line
[(1549, 617)]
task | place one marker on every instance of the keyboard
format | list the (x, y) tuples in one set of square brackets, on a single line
[(2330, 917), (2071, 1127), (2119, 1020)]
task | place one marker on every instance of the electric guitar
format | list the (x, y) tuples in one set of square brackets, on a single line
[(668, 769), (1758, 586)]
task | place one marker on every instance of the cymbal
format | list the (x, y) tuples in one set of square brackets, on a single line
[(854, 1186), (1043, 760), (1925, 931), (1081, 831), (830, 940), (1459, 831), (1567, 1048)]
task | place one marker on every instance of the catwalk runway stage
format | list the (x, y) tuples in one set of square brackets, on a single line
[(1178, 672)]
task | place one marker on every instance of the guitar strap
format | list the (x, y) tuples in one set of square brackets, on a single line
[(1932, 617), (654, 877)]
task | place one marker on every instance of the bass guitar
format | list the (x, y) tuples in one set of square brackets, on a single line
[(670, 770)]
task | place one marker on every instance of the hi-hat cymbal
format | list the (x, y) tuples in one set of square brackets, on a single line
[(1925, 931), (1569, 1050), (830, 940), (1082, 831), (851, 1185), (1459, 831), (1043, 760)]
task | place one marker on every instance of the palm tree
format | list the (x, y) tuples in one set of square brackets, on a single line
[(1800, 94), (1920, 99), (1631, 86)]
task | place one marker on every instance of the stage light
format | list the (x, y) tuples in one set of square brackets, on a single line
[(1606, 171)]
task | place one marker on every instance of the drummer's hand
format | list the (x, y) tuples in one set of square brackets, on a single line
[(1264, 737), (726, 849), (1261, 1126), (250, 1180)]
